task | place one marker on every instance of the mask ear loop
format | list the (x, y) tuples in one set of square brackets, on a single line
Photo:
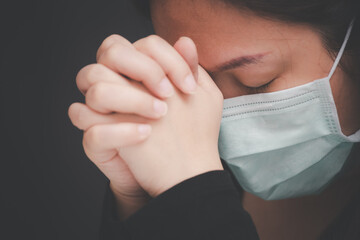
[(342, 49), (356, 136)]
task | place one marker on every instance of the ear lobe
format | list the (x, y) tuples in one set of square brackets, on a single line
[(187, 49)]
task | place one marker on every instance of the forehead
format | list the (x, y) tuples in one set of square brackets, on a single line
[(210, 20), (218, 28)]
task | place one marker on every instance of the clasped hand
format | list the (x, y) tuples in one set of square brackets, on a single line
[(151, 117)]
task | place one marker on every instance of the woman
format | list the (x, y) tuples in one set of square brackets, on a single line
[(178, 155)]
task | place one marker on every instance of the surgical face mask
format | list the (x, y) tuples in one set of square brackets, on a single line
[(287, 143)]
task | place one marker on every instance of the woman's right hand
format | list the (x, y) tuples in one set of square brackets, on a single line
[(116, 104)]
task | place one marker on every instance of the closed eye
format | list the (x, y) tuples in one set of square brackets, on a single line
[(260, 89)]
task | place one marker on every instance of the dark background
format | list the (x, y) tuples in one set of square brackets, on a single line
[(49, 188)]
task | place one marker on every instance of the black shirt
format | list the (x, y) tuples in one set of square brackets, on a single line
[(207, 206)]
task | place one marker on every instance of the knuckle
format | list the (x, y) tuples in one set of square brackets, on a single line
[(88, 150), (116, 38), (153, 40), (92, 137), (73, 112), (80, 76), (111, 39), (81, 115), (77, 114), (97, 92), (90, 73), (94, 71), (111, 53)]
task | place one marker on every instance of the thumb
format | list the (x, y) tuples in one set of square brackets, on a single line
[(187, 49)]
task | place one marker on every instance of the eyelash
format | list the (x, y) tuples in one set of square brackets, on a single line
[(261, 88)]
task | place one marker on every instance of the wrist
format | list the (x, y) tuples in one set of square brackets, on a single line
[(127, 205), (186, 173)]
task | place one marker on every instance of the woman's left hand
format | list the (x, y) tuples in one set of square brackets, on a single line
[(183, 144)]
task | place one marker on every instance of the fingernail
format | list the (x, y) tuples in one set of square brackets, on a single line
[(190, 84), (160, 107), (165, 88), (144, 129)]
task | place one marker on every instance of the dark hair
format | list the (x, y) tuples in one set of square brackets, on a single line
[(331, 18)]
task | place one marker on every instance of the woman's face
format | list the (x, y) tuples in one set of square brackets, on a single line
[(247, 54)]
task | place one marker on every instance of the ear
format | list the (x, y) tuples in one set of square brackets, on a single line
[(187, 49)]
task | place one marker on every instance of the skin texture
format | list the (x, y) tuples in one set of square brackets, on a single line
[(292, 55), (122, 87), (295, 54), (125, 136)]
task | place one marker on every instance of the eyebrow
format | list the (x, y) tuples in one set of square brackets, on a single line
[(239, 62)]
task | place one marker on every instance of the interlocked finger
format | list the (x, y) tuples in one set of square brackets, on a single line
[(105, 97)]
